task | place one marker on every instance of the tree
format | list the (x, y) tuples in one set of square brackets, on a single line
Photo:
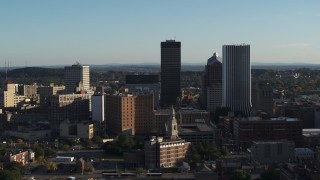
[(41, 160), (49, 151), (97, 139), (19, 141), (15, 166), (255, 164), (272, 173), (52, 167), (195, 157), (88, 167), (39, 151), (240, 174), (207, 150), (86, 143), (224, 151), (9, 175), (125, 141), (140, 171), (65, 147)]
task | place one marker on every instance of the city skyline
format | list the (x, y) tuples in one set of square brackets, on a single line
[(36, 33)]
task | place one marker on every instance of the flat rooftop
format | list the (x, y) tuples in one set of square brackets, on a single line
[(195, 128)]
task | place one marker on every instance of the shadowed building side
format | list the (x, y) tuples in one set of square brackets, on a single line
[(237, 78), (170, 72)]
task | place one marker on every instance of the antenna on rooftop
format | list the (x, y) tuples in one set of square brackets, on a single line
[(77, 61), (6, 69)]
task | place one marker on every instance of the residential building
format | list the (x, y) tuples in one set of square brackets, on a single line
[(120, 113), (170, 72), (23, 157), (236, 82), (144, 115), (10, 97)]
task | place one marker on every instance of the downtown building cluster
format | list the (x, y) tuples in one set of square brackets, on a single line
[(151, 108)]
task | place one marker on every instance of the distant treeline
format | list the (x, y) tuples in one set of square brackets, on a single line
[(292, 82)]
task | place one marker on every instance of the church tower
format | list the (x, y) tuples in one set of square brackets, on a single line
[(171, 125)]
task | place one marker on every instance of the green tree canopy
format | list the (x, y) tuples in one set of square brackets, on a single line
[(240, 174)]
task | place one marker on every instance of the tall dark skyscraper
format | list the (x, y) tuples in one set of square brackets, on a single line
[(236, 78), (170, 72)]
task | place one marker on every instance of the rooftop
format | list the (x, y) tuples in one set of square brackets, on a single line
[(194, 128)]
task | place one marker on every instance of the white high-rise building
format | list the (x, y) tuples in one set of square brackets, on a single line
[(236, 78), (97, 104), (76, 75)]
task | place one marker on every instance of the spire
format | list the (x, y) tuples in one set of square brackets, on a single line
[(172, 113), (171, 125)]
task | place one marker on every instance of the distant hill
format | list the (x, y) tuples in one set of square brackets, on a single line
[(154, 67), (29, 75)]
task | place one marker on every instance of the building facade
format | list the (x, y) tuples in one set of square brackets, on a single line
[(144, 116), (74, 75), (162, 153), (262, 97), (120, 113), (71, 107), (10, 97), (247, 130), (98, 108), (23, 157), (212, 83), (46, 91), (236, 83), (144, 83), (270, 152), (82, 130), (29, 91), (170, 72)]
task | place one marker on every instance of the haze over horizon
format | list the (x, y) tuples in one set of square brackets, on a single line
[(37, 33)]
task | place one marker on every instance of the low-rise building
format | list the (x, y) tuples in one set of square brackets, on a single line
[(304, 154), (190, 115), (76, 130), (134, 159), (270, 152), (311, 138), (23, 157), (247, 130), (198, 132), (163, 153), (29, 134), (166, 152)]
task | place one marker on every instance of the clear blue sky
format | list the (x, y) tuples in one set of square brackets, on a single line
[(43, 32)]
